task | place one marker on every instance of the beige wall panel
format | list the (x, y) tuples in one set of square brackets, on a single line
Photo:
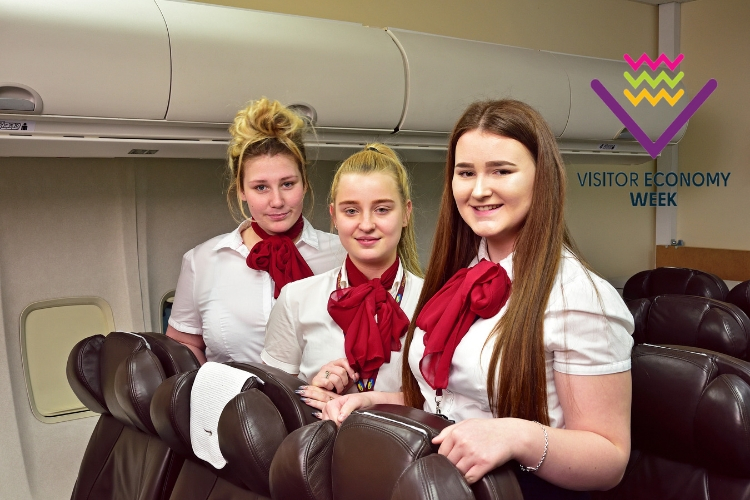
[(615, 237), (68, 229), (12, 462), (716, 44), (181, 203), (598, 28)]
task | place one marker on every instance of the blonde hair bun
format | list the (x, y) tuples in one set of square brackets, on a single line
[(263, 127)]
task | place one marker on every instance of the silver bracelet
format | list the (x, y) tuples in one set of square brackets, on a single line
[(544, 455)]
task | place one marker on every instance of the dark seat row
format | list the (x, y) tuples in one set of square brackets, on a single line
[(683, 281), (141, 449)]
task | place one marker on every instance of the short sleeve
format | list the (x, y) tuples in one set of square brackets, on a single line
[(185, 316), (587, 326), (282, 348)]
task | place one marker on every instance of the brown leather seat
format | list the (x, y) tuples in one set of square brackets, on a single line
[(116, 376), (692, 321), (366, 457), (690, 431), (251, 428), (301, 468), (432, 477), (674, 280), (740, 296)]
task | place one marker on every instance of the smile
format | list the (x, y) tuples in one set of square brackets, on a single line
[(486, 208), (367, 241)]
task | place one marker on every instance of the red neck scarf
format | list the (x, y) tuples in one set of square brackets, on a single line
[(474, 292), (278, 256), (372, 321)]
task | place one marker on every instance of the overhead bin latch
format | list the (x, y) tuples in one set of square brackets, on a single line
[(18, 98)]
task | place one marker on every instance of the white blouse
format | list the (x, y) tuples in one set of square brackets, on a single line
[(220, 297), (301, 336), (584, 334)]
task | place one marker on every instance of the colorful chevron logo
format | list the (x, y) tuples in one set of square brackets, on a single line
[(654, 148), (644, 59), (654, 100), (653, 82)]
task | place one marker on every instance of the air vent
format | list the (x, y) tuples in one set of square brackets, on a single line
[(143, 151), (305, 111)]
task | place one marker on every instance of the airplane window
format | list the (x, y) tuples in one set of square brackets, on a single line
[(49, 330), (166, 309)]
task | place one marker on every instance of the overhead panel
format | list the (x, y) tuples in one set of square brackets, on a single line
[(223, 57), (590, 118), (84, 58), (447, 74)]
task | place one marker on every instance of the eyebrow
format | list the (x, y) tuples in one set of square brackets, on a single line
[(494, 163), (357, 202), (283, 179)]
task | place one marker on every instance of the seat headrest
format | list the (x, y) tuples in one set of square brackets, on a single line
[(740, 296), (692, 321), (250, 431), (674, 280), (390, 436), (499, 484), (174, 357), (432, 477), (170, 412), (301, 468), (279, 386), (136, 380), (639, 309), (84, 373), (688, 407), (116, 348)]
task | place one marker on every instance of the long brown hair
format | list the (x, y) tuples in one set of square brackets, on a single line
[(517, 389)]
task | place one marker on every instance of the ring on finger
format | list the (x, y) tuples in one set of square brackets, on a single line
[(327, 373)]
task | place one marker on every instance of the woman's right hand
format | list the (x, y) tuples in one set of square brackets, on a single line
[(337, 376), (340, 408)]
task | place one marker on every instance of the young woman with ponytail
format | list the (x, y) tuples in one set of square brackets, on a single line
[(515, 338), (342, 330), (228, 284)]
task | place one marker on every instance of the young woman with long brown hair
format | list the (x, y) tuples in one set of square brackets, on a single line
[(515, 338), (228, 284)]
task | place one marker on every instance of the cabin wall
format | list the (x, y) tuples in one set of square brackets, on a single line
[(112, 228), (716, 44)]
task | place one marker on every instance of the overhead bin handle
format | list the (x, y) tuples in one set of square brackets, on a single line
[(11, 104), (18, 98)]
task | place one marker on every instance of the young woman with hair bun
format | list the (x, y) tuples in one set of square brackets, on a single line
[(342, 330), (515, 338), (228, 284)]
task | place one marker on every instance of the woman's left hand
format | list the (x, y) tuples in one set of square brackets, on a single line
[(476, 446), (317, 397)]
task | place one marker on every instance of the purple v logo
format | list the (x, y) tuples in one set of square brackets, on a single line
[(654, 148)]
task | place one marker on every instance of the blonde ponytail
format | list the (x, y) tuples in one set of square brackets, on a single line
[(378, 157)]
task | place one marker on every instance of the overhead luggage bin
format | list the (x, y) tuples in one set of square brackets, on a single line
[(590, 118), (447, 74), (223, 57), (84, 58)]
